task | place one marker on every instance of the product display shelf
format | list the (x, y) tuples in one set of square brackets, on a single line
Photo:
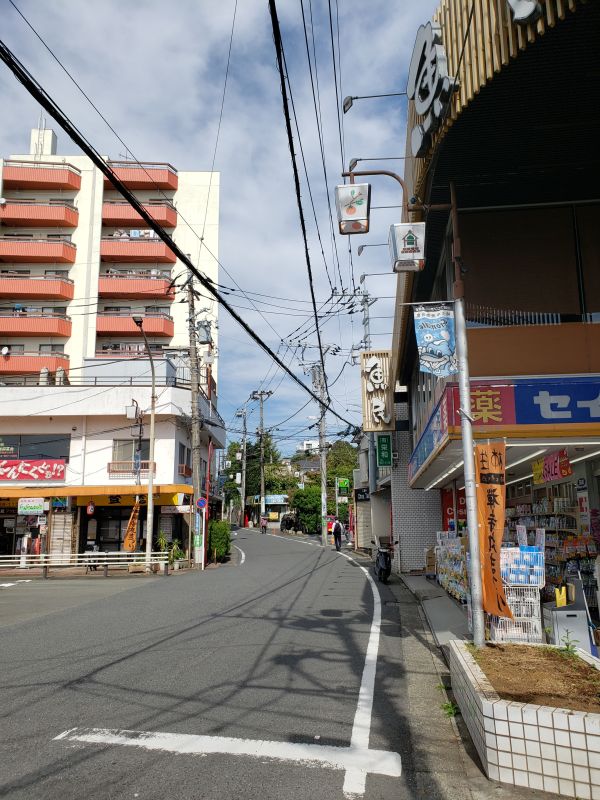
[(451, 567)]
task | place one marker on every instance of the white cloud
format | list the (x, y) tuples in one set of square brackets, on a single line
[(156, 71)]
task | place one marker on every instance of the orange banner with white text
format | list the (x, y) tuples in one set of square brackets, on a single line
[(130, 538), (491, 501)]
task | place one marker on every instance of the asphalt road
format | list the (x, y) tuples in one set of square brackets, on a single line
[(239, 682)]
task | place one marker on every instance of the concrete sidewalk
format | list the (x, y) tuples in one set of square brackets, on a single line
[(447, 765)]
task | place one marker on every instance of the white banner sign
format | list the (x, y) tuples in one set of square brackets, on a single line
[(30, 506)]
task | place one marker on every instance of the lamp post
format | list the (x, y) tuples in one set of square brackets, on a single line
[(349, 101), (411, 262), (139, 321)]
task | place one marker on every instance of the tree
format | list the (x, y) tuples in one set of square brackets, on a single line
[(308, 505), (342, 459)]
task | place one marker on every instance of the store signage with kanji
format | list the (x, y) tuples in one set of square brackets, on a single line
[(384, 450), (42, 469), (491, 501)]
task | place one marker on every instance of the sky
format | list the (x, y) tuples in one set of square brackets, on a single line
[(157, 70)]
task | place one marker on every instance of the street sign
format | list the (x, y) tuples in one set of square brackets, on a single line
[(384, 449), (343, 487), (201, 502)]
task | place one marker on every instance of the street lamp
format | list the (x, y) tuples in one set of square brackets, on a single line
[(349, 101), (361, 247), (139, 321)]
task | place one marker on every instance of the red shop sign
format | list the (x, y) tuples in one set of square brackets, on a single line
[(43, 469)]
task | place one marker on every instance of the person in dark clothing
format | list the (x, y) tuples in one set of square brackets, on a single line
[(337, 534)]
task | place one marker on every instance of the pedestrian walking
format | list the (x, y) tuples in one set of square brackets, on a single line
[(263, 524), (337, 534)]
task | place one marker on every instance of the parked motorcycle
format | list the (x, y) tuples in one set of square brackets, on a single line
[(383, 561)]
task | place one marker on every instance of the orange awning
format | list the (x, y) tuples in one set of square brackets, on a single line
[(91, 491)]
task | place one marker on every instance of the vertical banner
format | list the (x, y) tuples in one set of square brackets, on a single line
[(130, 538), (491, 498), (377, 391), (436, 342)]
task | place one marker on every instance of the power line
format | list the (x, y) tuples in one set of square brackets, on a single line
[(279, 50), (37, 91)]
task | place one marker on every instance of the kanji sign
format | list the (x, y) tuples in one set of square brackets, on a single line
[(491, 499), (43, 469), (377, 391), (384, 450)]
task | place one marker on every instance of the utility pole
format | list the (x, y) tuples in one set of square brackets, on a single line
[(366, 302), (242, 414), (319, 386), (196, 421), (261, 432)]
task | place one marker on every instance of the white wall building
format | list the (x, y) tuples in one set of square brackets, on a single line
[(76, 265)]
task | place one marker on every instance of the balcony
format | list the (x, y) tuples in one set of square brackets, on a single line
[(27, 214), (136, 284), (129, 469), (135, 250), (184, 471), (530, 343), (122, 214), (25, 323), (32, 363), (40, 175), (36, 288), (36, 251), (144, 176), (109, 323)]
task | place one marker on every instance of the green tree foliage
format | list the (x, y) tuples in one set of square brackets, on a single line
[(219, 539), (272, 457), (307, 502)]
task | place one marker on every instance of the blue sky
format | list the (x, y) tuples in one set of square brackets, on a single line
[(156, 71)]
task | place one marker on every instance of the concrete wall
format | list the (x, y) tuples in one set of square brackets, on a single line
[(417, 515)]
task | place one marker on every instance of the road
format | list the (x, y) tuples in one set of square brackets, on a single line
[(253, 680)]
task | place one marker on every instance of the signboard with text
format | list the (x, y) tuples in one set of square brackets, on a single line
[(384, 450), (40, 469), (553, 467), (30, 505), (377, 391)]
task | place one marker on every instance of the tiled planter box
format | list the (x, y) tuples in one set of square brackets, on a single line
[(553, 749)]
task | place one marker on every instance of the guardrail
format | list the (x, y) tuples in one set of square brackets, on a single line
[(90, 560)]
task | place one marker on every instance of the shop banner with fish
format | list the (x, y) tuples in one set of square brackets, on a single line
[(436, 342)]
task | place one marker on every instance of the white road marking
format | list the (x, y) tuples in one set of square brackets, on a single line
[(350, 758), (357, 760), (242, 552), (6, 585)]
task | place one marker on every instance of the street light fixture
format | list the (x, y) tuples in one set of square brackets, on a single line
[(139, 321), (349, 101), (361, 247)]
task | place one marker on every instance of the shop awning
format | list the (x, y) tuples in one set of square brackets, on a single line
[(92, 491)]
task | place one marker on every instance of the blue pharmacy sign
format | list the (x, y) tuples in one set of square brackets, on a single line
[(436, 342)]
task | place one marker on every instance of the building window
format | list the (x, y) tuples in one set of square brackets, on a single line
[(125, 449), (118, 311), (51, 348), (151, 311), (13, 348), (56, 273), (38, 446), (15, 272)]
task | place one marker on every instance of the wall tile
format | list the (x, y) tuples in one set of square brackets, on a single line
[(517, 745), (502, 728), (516, 729), (564, 754), (536, 781), (549, 768), (521, 778), (583, 791), (532, 748), (504, 759), (503, 743), (551, 784), (581, 774), (506, 775), (531, 732), (566, 788), (548, 751), (534, 764)]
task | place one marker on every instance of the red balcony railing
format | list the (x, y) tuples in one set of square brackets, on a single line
[(35, 251), (135, 250), (27, 214), (110, 323), (35, 324), (144, 176), (136, 284), (40, 175), (32, 363), (122, 214), (128, 469), (36, 288)]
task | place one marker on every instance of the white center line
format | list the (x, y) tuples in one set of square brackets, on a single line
[(242, 552), (357, 760)]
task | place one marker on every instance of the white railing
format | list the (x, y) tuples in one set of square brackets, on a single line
[(89, 560)]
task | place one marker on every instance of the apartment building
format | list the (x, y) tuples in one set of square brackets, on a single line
[(79, 271)]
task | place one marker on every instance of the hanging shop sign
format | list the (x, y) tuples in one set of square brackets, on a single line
[(553, 467), (28, 506), (343, 487), (429, 86), (377, 391), (361, 495), (91, 507), (406, 243), (436, 342), (384, 449), (169, 510), (43, 469), (491, 500), (130, 538), (353, 204)]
